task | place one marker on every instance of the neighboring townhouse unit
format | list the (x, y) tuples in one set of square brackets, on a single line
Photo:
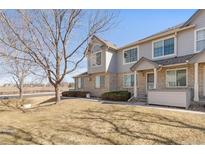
[(172, 59)]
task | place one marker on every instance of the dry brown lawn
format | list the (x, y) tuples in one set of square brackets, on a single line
[(14, 90), (77, 121)]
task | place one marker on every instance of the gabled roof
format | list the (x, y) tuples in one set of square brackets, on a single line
[(175, 60), (107, 43), (143, 59), (168, 61), (191, 18), (197, 56), (168, 31), (82, 74), (182, 26)]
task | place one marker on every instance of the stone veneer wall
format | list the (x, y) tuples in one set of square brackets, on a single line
[(201, 80), (114, 81), (120, 83), (161, 79), (89, 84), (161, 76)]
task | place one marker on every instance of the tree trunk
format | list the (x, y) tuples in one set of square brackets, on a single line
[(57, 93), (20, 93)]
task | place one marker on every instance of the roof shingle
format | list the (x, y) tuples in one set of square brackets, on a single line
[(174, 60)]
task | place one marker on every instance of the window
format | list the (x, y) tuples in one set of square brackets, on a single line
[(164, 47), (96, 48), (200, 40), (128, 80), (99, 82), (96, 57), (130, 55), (80, 82), (176, 78)]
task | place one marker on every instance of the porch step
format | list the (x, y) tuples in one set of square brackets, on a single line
[(202, 100)]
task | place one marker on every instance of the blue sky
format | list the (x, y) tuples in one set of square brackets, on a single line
[(133, 25), (137, 24)]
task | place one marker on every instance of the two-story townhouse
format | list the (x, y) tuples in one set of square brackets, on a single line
[(171, 59)]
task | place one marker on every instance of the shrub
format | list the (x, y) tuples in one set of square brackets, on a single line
[(74, 93), (116, 95)]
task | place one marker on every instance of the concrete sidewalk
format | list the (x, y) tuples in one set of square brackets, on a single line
[(28, 95), (140, 104)]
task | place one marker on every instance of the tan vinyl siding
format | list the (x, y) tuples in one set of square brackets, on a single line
[(185, 42), (146, 50), (199, 20)]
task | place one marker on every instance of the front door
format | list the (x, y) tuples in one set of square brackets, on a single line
[(150, 81)]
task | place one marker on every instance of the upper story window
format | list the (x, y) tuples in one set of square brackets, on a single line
[(130, 55), (96, 58), (200, 39), (96, 48), (163, 48)]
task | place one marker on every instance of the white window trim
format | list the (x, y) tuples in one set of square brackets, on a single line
[(94, 54), (175, 69), (150, 72), (100, 82), (123, 80), (162, 39), (79, 84), (123, 59), (195, 32), (94, 46)]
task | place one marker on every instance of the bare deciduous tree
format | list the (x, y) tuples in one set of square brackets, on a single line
[(56, 40), (18, 67)]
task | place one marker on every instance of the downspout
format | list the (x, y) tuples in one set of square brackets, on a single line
[(176, 43)]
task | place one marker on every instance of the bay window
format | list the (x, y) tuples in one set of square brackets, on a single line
[(128, 80), (163, 47), (176, 78), (200, 39)]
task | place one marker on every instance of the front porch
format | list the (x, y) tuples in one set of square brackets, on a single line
[(188, 73)]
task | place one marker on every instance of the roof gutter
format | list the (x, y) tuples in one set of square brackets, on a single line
[(157, 36)]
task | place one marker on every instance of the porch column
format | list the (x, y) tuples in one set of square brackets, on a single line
[(155, 78), (196, 83), (135, 84)]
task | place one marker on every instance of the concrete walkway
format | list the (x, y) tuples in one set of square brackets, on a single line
[(140, 104), (28, 95)]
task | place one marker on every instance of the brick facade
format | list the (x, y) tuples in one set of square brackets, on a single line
[(120, 82), (161, 79), (89, 83), (114, 81)]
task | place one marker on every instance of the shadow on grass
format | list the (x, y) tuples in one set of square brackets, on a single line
[(113, 120), (50, 100), (20, 136), (105, 127)]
